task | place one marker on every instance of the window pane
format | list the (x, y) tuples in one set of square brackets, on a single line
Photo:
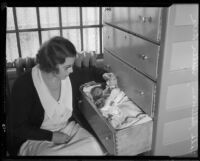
[(74, 36), (29, 42), (11, 47), (10, 19), (90, 15), (46, 35), (49, 17), (70, 16), (26, 17), (91, 39)]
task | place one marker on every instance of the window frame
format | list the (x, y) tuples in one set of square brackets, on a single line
[(60, 28)]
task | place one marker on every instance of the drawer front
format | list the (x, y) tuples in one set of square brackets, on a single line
[(138, 53), (138, 88), (99, 126), (135, 139), (144, 21)]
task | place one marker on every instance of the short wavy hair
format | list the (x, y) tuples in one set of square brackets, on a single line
[(54, 52)]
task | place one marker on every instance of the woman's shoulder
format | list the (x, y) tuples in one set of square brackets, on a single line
[(24, 80)]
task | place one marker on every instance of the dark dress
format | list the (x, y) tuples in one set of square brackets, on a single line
[(26, 113)]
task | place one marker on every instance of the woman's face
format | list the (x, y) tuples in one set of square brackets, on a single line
[(66, 68)]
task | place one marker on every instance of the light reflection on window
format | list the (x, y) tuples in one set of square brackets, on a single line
[(29, 43), (11, 47), (49, 34), (74, 36), (90, 15), (91, 39), (49, 17), (70, 16), (26, 17), (10, 20)]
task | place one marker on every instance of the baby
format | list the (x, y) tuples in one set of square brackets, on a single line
[(99, 95), (107, 100)]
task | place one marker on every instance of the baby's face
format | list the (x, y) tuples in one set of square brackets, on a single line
[(97, 92)]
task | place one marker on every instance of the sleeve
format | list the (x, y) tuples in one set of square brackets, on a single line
[(22, 100), (91, 73), (97, 74)]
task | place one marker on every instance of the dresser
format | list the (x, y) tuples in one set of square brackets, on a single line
[(154, 54)]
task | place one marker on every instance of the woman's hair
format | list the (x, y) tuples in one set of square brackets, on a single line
[(53, 52)]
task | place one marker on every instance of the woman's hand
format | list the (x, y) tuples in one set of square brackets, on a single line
[(60, 138)]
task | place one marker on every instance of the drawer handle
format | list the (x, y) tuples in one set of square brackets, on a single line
[(108, 9), (146, 19), (107, 138), (4, 128), (141, 93), (143, 57)]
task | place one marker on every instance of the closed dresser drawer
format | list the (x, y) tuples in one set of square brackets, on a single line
[(131, 140), (144, 21), (137, 87), (138, 53)]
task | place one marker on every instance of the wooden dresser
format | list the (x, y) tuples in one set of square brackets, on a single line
[(154, 54)]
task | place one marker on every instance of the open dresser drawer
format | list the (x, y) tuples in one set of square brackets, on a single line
[(132, 140)]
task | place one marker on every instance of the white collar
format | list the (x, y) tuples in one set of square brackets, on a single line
[(49, 104)]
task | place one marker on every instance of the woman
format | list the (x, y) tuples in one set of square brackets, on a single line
[(43, 100)]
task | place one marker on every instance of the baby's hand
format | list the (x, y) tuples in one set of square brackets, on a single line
[(111, 79)]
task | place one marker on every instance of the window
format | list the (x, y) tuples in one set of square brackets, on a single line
[(29, 27)]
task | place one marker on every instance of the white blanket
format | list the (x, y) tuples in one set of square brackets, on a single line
[(82, 143)]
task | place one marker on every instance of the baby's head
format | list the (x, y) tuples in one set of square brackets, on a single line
[(96, 92)]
